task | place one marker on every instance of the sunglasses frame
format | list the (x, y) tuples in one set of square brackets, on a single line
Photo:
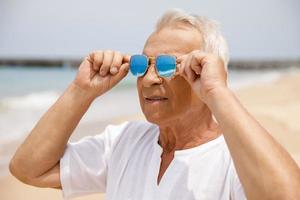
[(152, 60)]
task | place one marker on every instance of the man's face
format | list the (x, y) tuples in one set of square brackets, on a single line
[(164, 100)]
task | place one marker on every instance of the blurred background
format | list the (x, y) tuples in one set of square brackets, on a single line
[(42, 43)]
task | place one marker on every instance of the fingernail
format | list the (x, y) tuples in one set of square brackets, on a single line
[(113, 70)]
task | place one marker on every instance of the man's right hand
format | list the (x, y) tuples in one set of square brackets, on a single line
[(100, 71)]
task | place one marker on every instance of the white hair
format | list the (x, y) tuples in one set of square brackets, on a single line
[(214, 42)]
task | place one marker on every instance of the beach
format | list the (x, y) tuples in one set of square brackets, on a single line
[(275, 104)]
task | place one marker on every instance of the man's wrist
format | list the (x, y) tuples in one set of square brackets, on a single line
[(218, 94), (79, 94)]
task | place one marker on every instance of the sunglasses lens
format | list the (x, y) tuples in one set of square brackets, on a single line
[(166, 65), (138, 65)]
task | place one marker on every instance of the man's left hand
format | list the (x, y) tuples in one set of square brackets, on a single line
[(205, 72)]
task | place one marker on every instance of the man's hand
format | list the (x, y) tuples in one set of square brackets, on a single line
[(205, 72), (101, 71)]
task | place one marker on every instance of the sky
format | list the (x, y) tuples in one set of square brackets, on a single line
[(256, 29)]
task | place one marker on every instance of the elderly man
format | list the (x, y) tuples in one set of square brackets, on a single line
[(199, 141)]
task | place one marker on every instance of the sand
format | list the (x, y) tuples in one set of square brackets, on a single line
[(275, 105), (12, 189)]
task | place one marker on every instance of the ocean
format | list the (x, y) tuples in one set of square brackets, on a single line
[(27, 93)]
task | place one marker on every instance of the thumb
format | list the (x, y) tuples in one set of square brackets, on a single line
[(121, 73)]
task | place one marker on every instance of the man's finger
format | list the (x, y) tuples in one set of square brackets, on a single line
[(121, 74), (180, 59), (126, 58), (107, 60), (200, 57), (181, 67), (97, 58), (190, 74), (195, 65), (116, 63), (188, 69)]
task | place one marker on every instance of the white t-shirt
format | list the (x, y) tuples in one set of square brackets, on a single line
[(124, 163)]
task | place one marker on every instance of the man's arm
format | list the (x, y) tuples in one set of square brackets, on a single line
[(36, 162), (265, 168), (45, 145)]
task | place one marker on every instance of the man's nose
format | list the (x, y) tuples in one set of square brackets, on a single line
[(151, 77)]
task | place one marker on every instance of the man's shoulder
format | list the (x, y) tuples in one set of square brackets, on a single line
[(130, 131), (137, 129)]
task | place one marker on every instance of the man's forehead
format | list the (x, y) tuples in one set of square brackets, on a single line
[(153, 52), (172, 41)]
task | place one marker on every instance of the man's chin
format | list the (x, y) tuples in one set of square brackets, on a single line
[(157, 118)]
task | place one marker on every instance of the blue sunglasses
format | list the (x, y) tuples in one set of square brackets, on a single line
[(165, 64)]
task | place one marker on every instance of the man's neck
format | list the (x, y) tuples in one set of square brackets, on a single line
[(188, 131)]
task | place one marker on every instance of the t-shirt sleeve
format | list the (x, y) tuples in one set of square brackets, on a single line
[(237, 190), (83, 167)]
